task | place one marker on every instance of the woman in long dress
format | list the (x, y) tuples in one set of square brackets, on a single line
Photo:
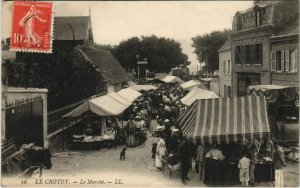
[(130, 139), (160, 152), (153, 126)]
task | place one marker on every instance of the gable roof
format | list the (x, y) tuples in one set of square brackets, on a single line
[(226, 46), (65, 26), (260, 4), (106, 63), (291, 29)]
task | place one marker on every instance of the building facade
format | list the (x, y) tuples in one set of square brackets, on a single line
[(251, 48), (255, 31), (225, 88), (284, 57)]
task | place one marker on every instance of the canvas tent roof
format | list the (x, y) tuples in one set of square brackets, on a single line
[(274, 92), (226, 119), (143, 87), (197, 93), (129, 94), (190, 84), (160, 76), (113, 103), (172, 79)]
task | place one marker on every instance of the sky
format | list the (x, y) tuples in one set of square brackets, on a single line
[(115, 21)]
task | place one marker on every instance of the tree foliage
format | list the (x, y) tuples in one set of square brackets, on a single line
[(68, 79), (162, 53), (207, 46)]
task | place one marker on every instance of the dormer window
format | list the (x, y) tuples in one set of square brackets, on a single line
[(258, 16), (239, 22)]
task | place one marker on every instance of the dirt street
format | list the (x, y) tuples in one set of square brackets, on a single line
[(104, 168)]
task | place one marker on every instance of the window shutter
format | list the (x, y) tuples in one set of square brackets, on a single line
[(296, 61), (224, 68), (229, 66), (287, 60), (273, 60), (282, 60)]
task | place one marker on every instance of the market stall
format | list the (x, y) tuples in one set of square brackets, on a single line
[(129, 94), (232, 123), (283, 110), (160, 76), (197, 93), (172, 80), (98, 130), (189, 85), (143, 87)]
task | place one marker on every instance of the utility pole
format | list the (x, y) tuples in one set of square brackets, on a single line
[(206, 64), (137, 59)]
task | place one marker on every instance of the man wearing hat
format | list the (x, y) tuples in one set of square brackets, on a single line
[(174, 141), (167, 133), (183, 151)]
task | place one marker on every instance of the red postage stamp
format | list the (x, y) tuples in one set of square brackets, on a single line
[(32, 27)]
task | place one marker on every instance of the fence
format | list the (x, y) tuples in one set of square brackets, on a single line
[(24, 121), (57, 124)]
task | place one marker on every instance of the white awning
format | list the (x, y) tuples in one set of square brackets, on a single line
[(118, 98), (143, 87), (106, 105), (189, 84), (172, 79), (111, 104), (129, 94), (197, 93)]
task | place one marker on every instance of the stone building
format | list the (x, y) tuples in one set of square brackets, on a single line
[(225, 69), (284, 57), (251, 41)]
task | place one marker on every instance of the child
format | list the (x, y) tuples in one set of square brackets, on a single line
[(244, 164)]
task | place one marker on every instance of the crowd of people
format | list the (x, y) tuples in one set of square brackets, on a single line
[(156, 112)]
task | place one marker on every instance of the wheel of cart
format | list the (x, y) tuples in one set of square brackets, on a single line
[(169, 168), (291, 154), (27, 163)]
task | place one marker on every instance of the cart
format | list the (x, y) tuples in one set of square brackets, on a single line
[(28, 162)]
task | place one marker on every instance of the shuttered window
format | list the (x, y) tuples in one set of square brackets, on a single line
[(273, 61), (282, 61), (287, 60), (294, 61), (229, 66)]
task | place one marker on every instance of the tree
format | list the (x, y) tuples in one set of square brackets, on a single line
[(161, 53), (207, 46), (68, 79)]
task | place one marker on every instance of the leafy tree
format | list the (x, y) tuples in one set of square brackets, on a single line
[(162, 53), (207, 46), (68, 79)]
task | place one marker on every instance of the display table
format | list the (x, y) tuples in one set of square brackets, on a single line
[(229, 172), (83, 142)]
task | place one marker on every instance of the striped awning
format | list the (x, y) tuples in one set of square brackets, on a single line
[(226, 119)]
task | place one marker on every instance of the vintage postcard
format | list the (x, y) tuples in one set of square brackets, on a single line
[(150, 93)]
